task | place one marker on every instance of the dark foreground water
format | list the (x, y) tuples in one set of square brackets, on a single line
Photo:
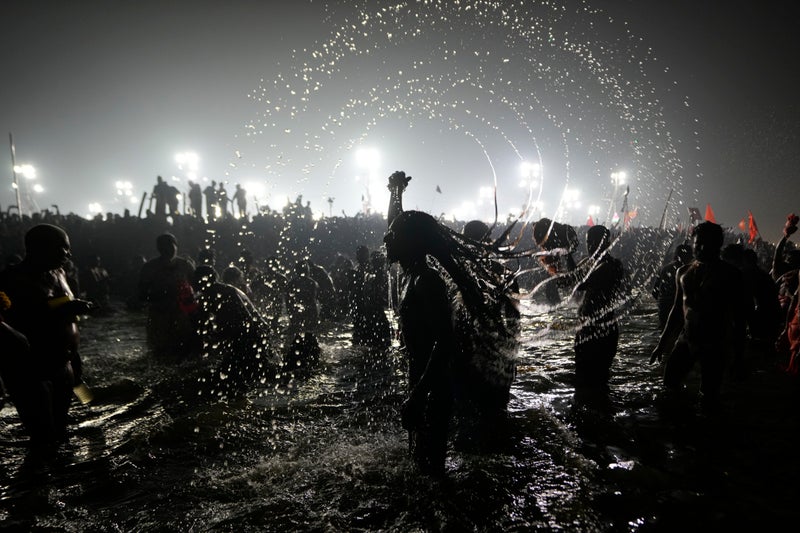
[(155, 453)]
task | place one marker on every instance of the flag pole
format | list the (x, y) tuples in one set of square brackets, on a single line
[(664, 214), (14, 173)]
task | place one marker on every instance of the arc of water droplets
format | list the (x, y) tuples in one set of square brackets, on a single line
[(551, 58)]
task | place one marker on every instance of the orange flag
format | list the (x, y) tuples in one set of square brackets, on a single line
[(752, 226), (710, 214), (742, 225)]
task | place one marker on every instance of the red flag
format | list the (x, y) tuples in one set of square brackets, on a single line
[(590, 222), (752, 226), (710, 214), (742, 225)]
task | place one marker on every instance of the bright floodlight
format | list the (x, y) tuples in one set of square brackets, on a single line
[(594, 210), (528, 169), (368, 158), (124, 188), (486, 192), (95, 208), (38, 188), (25, 170), (618, 178), (190, 160)]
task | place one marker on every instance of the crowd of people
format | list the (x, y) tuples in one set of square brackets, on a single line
[(248, 295)]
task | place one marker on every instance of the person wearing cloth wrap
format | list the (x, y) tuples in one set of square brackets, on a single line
[(40, 360)]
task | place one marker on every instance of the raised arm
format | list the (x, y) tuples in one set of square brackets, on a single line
[(398, 182)]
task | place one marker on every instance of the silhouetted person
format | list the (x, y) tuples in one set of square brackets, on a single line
[(600, 291), (222, 200), (240, 197), (234, 336), (160, 193), (327, 292), (210, 192), (165, 286), (341, 272), (39, 335), (707, 320), (173, 199), (355, 289), (767, 319), (269, 292), (558, 238), (664, 285), (785, 264), (473, 364), (375, 294), (96, 283), (234, 277), (195, 200), (302, 305)]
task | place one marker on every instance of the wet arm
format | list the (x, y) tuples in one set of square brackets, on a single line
[(674, 322), (779, 266)]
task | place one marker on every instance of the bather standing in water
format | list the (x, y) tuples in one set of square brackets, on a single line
[(601, 291), (40, 360), (664, 286), (165, 286), (707, 320), (443, 367), (234, 335)]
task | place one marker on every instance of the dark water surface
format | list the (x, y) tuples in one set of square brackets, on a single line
[(157, 452)]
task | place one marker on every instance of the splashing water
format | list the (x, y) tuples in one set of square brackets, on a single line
[(466, 91)]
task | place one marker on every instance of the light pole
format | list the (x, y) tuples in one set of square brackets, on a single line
[(368, 159), (617, 179), (15, 183), (531, 178)]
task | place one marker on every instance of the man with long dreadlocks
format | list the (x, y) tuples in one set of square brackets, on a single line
[(459, 344)]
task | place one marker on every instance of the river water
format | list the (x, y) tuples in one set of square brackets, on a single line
[(154, 452)]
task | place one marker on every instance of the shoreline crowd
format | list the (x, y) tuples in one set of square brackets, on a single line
[(249, 293)]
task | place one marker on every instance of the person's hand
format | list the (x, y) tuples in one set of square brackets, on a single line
[(657, 355), (791, 224), (79, 307), (399, 180)]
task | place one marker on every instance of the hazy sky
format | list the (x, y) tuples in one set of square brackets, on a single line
[(694, 95)]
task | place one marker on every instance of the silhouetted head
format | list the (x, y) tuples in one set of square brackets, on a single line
[(362, 255), (204, 276), (47, 247), (597, 239), (477, 230), (792, 258), (707, 241), (411, 236), (750, 258), (733, 254), (167, 245), (232, 276), (377, 259), (207, 256)]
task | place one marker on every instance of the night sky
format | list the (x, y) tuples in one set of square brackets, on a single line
[(695, 96)]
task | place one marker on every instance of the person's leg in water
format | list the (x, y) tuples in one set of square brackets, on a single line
[(594, 353), (679, 364), (429, 438)]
